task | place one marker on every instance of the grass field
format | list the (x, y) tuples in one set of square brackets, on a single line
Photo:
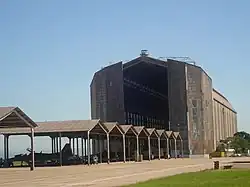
[(220, 178)]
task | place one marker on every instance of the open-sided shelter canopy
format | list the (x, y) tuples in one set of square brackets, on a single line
[(14, 117), (49, 128), (128, 131), (177, 136), (116, 130)]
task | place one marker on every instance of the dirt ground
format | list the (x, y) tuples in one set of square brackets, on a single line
[(103, 175)]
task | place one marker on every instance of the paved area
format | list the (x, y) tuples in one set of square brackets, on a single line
[(103, 175)]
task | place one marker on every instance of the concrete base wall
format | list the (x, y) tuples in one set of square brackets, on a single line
[(199, 156)]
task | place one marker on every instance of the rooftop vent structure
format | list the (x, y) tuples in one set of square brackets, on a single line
[(144, 52)]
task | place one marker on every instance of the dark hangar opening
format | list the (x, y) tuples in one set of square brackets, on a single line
[(146, 95)]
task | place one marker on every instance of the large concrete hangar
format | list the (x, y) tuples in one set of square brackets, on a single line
[(164, 94)]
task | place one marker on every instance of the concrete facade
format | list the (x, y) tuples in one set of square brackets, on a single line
[(107, 100), (195, 109), (224, 118)]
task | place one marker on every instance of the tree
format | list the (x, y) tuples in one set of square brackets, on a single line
[(224, 144), (239, 144), (243, 135), (221, 147)]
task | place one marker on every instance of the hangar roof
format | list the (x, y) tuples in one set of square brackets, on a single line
[(222, 99), (158, 62)]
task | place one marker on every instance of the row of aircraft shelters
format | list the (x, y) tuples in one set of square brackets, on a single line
[(99, 141)]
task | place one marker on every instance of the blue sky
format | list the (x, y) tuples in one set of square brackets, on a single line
[(49, 50)]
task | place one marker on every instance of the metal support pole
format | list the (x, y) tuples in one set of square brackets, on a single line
[(182, 149), (7, 146), (32, 166), (175, 148), (54, 140), (167, 147), (159, 147), (124, 147), (77, 146), (88, 142), (70, 141), (85, 147), (137, 148), (73, 147), (100, 148), (108, 147), (60, 147), (52, 146), (55, 150), (96, 145), (82, 146), (4, 147), (57, 144), (129, 155), (149, 148), (93, 146), (57, 140)]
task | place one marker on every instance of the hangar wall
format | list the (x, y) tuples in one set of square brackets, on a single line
[(107, 98), (207, 112), (224, 118), (177, 100), (200, 113), (194, 104)]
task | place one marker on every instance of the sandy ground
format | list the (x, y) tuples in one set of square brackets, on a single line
[(103, 175)]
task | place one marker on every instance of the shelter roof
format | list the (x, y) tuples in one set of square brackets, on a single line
[(140, 129), (161, 132), (176, 135), (58, 126), (13, 117), (5, 110), (152, 131), (169, 133), (126, 128), (112, 125)]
